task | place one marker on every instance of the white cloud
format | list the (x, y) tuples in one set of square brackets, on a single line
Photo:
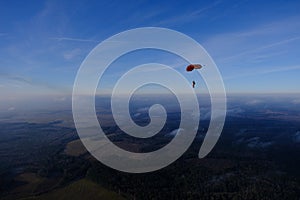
[(297, 136), (137, 114), (176, 131), (60, 99), (69, 55), (11, 108), (254, 102), (256, 143), (296, 101)]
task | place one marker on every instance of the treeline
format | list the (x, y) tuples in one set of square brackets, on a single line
[(190, 180)]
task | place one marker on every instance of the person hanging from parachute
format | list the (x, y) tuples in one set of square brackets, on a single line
[(193, 84), (191, 67)]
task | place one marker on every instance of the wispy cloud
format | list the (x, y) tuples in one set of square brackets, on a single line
[(16, 78), (71, 54), (238, 44), (296, 101), (187, 16), (20, 81), (280, 69), (267, 46), (267, 71), (11, 108), (73, 39), (140, 17), (60, 99)]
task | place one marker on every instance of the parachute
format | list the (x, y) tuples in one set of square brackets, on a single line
[(190, 68)]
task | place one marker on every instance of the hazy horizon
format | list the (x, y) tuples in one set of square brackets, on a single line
[(254, 44)]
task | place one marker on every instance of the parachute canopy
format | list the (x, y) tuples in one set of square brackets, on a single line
[(191, 67)]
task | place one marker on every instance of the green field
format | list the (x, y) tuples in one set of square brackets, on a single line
[(82, 189), (75, 148)]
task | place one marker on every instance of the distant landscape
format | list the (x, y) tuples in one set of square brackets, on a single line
[(66, 64), (257, 156)]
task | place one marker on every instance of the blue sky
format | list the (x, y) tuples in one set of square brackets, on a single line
[(255, 44)]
